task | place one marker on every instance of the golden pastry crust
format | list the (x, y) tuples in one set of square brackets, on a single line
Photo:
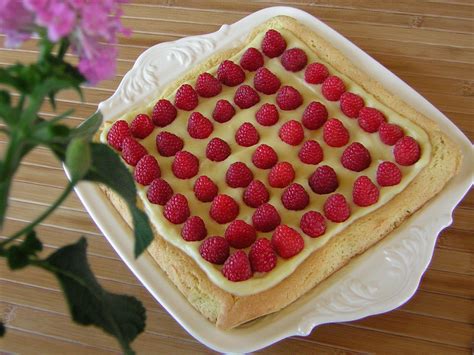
[(227, 310)]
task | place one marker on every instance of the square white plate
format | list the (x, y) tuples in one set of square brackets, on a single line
[(378, 281)]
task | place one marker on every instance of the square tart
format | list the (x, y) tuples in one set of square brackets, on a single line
[(363, 161)]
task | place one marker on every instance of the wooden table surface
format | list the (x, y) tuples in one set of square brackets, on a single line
[(429, 44)]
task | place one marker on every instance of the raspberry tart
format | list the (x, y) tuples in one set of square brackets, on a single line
[(270, 166)]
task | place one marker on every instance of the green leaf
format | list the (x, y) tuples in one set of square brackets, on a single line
[(5, 97), (46, 88), (119, 315), (78, 158), (8, 77), (52, 100), (9, 114), (107, 168), (142, 230), (88, 127), (48, 133), (17, 258)]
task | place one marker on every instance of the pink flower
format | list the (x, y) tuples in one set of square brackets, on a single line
[(57, 17), (16, 22), (100, 66), (91, 27)]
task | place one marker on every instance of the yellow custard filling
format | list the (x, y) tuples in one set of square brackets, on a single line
[(269, 135)]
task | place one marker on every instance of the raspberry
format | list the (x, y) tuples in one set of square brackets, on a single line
[(215, 250), (288, 98), (356, 157), (364, 192), (239, 234), (390, 133), (266, 82), (230, 74), (262, 257), (295, 197), (264, 157), (406, 151), (224, 209), (316, 73), (247, 135), (351, 104), (199, 127), (207, 85), (388, 174), (267, 115), (311, 153), (324, 180), (194, 229), (168, 144), (132, 151), (256, 194), (287, 242), (159, 192), (237, 267), (245, 97), (335, 134), (185, 165), (176, 209), (117, 133), (291, 132), (205, 189), (281, 175), (147, 170), (186, 98), (333, 87), (223, 111), (266, 218), (252, 59), (273, 44), (141, 126), (336, 208), (238, 175), (370, 119), (314, 115), (294, 59), (217, 150), (163, 113), (313, 224)]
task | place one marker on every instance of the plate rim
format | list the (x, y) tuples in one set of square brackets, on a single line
[(259, 336)]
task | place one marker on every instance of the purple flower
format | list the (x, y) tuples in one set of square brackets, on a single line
[(99, 22), (16, 22), (57, 17), (100, 66), (91, 27)]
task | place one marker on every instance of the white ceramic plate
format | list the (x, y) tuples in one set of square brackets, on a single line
[(378, 281)]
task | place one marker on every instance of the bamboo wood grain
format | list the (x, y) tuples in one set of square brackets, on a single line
[(428, 43)]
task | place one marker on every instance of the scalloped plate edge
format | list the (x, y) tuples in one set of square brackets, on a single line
[(351, 293)]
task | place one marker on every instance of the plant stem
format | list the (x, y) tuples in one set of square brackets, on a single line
[(8, 167), (41, 217), (63, 48), (21, 102)]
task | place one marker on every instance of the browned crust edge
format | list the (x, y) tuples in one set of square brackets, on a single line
[(227, 310)]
